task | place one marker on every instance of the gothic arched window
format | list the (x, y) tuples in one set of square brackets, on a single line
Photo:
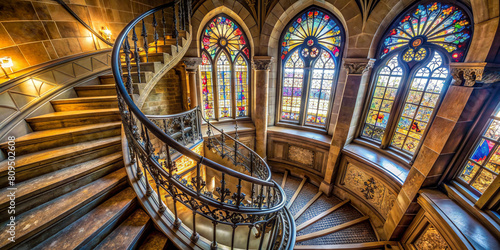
[(412, 73), (224, 69), (310, 57)]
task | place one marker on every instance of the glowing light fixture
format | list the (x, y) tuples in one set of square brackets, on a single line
[(106, 33), (6, 62)]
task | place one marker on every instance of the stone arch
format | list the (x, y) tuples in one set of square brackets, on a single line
[(234, 10)]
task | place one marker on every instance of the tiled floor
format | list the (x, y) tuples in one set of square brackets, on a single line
[(362, 232)]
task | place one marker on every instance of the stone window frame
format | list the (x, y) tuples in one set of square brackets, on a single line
[(215, 85), (408, 74), (307, 77)]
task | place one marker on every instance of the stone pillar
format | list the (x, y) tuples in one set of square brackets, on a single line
[(261, 65), (192, 64), (455, 116), (357, 70)]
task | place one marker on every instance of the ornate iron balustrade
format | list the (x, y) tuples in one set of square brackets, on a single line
[(156, 145)]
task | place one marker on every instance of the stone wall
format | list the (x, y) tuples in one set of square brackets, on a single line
[(34, 32), (166, 96)]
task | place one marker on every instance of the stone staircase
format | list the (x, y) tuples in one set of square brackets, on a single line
[(71, 189), (325, 222)]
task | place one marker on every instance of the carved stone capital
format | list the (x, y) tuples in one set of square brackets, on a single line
[(262, 62), (356, 66), (467, 74), (192, 63)]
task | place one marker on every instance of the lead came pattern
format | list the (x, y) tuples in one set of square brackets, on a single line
[(425, 90), (224, 82), (241, 87), (292, 87), (320, 90), (207, 87), (483, 165), (387, 85)]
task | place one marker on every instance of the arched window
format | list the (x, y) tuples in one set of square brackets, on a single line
[(224, 69), (483, 163), (310, 57), (412, 73)]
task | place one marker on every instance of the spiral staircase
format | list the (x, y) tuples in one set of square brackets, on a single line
[(98, 173)]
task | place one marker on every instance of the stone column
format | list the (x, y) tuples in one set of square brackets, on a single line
[(192, 64), (455, 116), (357, 70), (261, 65)]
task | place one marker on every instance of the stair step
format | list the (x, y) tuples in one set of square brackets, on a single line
[(36, 191), (359, 246), (320, 216), (330, 230), (85, 103), (305, 207), (110, 79), (42, 162), (89, 230), (66, 119), (38, 224), (162, 48), (155, 240), (47, 139), (296, 193), (156, 57), (144, 66), (96, 90), (283, 182), (129, 233)]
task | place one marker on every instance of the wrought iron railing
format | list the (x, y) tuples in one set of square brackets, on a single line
[(159, 145)]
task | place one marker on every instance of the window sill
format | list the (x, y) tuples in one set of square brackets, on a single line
[(470, 224), (317, 130), (315, 137), (378, 160), (229, 127)]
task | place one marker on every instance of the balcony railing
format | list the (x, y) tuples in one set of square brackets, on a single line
[(170, 178)]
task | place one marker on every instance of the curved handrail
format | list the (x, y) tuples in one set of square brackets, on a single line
[(68, 9), (267, 197)]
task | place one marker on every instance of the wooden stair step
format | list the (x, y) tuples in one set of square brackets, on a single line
[(283, 182), (89, 230), (156, 57), (65, 119), (42, 162), (96, 90), (155, 240), (162, 48), (359, 246), (308, 204), (144, 75), (330, 230), (321, 215), (129, 233), (85, 103), (36, 225), (297, 191), (144, 66), (36, 191), (52, 138)]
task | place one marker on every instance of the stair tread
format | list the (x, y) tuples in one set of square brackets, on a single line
[(125, 235), (45, 182), (47, 134), (91, 223), (306, 194), (44, 156), (85, 99), (73, 114), (360, 232), (331, 229), (155, 240), (39, 218), (100, 86)]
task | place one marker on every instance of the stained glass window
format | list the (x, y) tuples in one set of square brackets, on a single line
[(412, 72), (310, 52), (292, 87), (483, 164), (442, 24), (225, 44), (386, 88), (224, 83), (206, 87), (241, 87), (320, 90), (425, 90)]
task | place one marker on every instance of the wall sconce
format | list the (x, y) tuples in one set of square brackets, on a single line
[(6, 62), (106, 33)]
